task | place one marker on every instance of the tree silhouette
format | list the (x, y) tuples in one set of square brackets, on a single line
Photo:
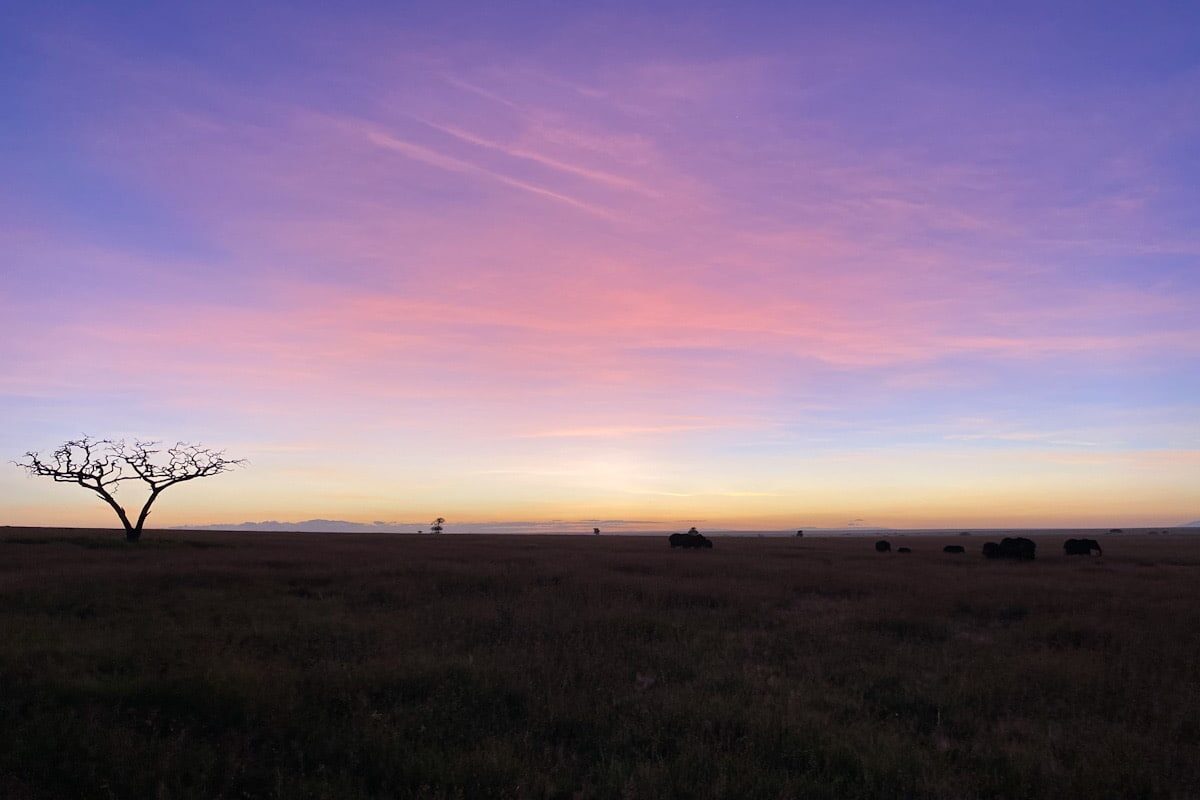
[(595, 531), (101, 465), (437, 525)]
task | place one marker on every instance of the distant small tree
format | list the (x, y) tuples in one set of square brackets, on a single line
[(437, 525), (799, 533), (101, 465), (595, 531), (693, 532)]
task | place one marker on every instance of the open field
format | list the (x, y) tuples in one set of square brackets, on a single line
[(337, 666)]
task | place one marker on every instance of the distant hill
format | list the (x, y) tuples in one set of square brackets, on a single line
[(345, 526), (1193, 524), (309, 526)]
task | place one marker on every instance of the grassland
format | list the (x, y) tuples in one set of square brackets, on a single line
[(342, 666)]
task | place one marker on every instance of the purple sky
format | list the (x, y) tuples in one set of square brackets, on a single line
[(757, 265)]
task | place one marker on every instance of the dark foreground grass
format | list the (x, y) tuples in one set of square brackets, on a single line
[(216, 665)]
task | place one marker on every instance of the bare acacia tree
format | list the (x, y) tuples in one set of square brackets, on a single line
[(101, 465), (437, 524)]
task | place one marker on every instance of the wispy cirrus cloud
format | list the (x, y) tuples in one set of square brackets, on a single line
[(434, 158), (595, 175), (480, 91)]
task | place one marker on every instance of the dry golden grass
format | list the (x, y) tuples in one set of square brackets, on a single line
[(272, 665)]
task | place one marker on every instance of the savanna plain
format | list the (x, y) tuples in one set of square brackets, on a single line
[(211, 665)]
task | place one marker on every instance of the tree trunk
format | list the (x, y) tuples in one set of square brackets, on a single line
[(132, 534), (135, 533)]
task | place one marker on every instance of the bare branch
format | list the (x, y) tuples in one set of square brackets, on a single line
[(86, 461)]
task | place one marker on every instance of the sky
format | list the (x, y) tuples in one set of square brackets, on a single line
[(758, 265)]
